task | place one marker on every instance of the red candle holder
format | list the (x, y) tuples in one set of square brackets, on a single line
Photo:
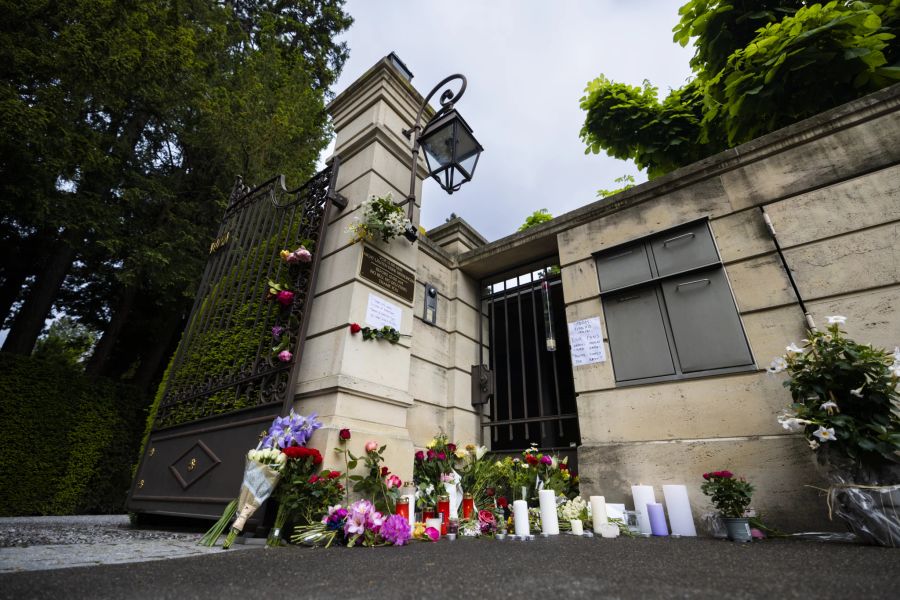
[(443, 509), (468, 506), (403, 508)]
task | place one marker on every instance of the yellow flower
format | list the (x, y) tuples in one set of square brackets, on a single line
[(284, 254), (461, 453), (430, 445), (419, 530), (470, 447), (565, 475)]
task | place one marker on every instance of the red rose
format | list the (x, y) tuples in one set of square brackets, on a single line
[(502, 502), (345, 433), (354, 329), (432, 455), (451, 448), (489, 492), (726, 474), (420, 456), (531, 459), (486, 517), (706, 476), (384, 471), (441, 456), (334, 474), (317, 458), (293, 451), (563, 466), (313, 479)]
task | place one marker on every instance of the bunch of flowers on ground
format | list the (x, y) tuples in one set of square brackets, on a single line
[(535, 471), (845, 395), (379, 483), (358, 524), (729, 495), (379, 218)]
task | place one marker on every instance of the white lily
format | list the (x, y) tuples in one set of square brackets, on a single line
[(825, 434), (813, 444), (830, 407), (794, 349), (858, 391), (480, 451), (836, 319)]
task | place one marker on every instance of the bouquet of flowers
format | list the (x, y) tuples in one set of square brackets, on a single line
[(360, 523), (576, 508), (380, 218), (303, 495), (379, 483), (433, 467), (262, 472), (533, 472)]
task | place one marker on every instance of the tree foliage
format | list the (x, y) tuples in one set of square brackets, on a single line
[(626, 183), (758, 66), (536, 218), (122, 128)]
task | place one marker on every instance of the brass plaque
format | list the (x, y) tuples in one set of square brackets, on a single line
[(387, 274)]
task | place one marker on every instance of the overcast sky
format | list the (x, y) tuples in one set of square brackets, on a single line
[(527, 63)]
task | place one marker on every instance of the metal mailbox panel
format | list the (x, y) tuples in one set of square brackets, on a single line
[(684, 249), (623, 266), (705, 323), (637, 335)]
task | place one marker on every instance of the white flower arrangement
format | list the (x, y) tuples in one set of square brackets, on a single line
[(379, 218), (576, 508)]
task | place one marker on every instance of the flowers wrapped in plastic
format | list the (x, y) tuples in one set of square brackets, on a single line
[(262, 472)]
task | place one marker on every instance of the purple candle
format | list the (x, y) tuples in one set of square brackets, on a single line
[(657, 519)]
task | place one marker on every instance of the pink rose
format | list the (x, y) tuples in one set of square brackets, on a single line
[(302, 254), (371, 446), (285, 298), (393, 482), (285, 356)]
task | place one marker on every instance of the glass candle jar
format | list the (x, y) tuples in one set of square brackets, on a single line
[(443, 509), (403, 508), (468, 506)]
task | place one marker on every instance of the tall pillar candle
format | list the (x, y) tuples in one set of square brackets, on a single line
[(680, 517), (598, 512), (643, 495), (549, 520), (657, 519), (520, 516)]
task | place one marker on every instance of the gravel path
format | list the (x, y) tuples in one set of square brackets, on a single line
[(41, 543)]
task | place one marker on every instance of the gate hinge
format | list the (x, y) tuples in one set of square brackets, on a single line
[(482, 385)]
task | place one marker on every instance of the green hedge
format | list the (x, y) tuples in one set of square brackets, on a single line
[(67, 442)]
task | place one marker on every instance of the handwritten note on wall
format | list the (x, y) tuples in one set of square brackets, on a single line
[(380, 312), (586, 340)]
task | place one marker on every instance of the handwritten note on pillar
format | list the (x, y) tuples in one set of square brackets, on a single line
[(586, 340), (380, 312)]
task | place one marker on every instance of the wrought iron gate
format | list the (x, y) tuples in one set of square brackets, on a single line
[(233, 370), (534, 393)]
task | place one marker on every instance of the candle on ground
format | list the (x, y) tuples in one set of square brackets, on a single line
[(598, 512), (657, 519), (520, 515), (549, 520), (643, 495), (610, 530), (411, 501), (577, 527), (679, 507)]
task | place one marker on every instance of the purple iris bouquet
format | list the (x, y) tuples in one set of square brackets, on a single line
[(292, 430)]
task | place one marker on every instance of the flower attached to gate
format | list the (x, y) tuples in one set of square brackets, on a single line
[(285, 297), (277, 331), (285, 356)]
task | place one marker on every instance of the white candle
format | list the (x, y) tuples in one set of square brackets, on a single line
[(610, 530), (454, 502), (679, 507), (598, 512), (549, 520), (643, 494), (520, 512), (412, 509), (577, 527)]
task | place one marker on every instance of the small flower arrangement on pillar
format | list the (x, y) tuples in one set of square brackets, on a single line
[(380, 218), (369, 334), (847, 406)]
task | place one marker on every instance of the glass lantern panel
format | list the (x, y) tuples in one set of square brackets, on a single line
[(438, 146)]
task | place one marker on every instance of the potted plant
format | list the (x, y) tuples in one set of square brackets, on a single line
[(847, 406), (731, 497)]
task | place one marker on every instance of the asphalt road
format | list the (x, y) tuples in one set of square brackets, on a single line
[(562, 567)]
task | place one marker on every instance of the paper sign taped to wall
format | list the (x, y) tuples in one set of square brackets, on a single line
[(380, 312), (586, 341)]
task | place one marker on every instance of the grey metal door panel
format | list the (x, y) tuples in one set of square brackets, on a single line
[(684, 249), (623, 266), (637, 335), (704, 321)]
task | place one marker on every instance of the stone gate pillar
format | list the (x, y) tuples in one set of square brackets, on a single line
[(363, 385)]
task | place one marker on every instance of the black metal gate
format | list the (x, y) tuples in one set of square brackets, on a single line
[(234, 370), (534, 393)]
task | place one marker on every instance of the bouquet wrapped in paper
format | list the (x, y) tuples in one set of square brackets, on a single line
[(262, 472)]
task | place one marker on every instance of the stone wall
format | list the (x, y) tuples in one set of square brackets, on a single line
[(831, 186)]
